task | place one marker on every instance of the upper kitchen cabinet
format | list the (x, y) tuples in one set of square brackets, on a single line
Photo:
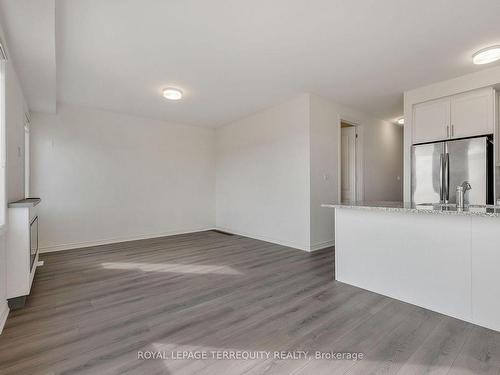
[(473, 113), (431, 121), (464, 115)]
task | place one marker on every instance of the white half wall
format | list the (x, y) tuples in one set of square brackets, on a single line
[(108, 177), (263, 175)]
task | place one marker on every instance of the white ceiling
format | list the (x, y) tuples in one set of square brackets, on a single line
[(233, 58), (29, 27)]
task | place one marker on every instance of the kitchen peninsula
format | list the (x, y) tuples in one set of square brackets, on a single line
[(434, 256)]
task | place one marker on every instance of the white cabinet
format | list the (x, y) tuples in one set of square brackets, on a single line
[(459, 116), (472, 113), (431, 121), (22, 250)]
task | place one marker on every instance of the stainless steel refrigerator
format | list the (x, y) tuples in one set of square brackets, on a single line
[(438, 168)]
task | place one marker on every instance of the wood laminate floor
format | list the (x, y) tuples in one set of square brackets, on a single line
[(93, 310)]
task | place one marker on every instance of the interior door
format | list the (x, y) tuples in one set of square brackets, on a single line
[(348, 164), (427, 172), (431, 121)]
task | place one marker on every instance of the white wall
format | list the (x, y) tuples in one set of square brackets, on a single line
[(15, 106), (271, 170), (15, 118), (379, 164), (383, 158), (106, 177), (325, 148), (263, 175), (477, 80)]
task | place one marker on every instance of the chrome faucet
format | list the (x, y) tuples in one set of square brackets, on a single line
[(461, 190)]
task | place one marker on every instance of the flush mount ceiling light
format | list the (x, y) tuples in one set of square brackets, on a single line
[(486, 55), (401, 121), (171, 93)]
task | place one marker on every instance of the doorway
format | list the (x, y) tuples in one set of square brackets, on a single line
[(348, 144)]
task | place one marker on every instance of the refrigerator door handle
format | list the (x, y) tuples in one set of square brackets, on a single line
[(447, 178), (441, 178)]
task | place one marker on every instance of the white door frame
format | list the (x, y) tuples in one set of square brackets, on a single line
[(360, 189), (348, 162)]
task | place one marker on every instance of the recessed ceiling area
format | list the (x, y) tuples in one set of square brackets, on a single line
[(232, 59)]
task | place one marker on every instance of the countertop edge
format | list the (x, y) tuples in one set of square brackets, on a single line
[(29, 202), (414, 210)]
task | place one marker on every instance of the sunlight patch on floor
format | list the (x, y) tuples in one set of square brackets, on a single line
[(172, 267)]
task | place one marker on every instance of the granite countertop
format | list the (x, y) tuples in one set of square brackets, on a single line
[(437, 209), (28, 202)]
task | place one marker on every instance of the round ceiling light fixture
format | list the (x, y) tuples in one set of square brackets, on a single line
[(401, 121), (486, 55), (172, 93)]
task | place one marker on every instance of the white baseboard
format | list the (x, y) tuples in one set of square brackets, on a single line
[(3, 316), (77, 245), (266, 239), (322, 245)]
